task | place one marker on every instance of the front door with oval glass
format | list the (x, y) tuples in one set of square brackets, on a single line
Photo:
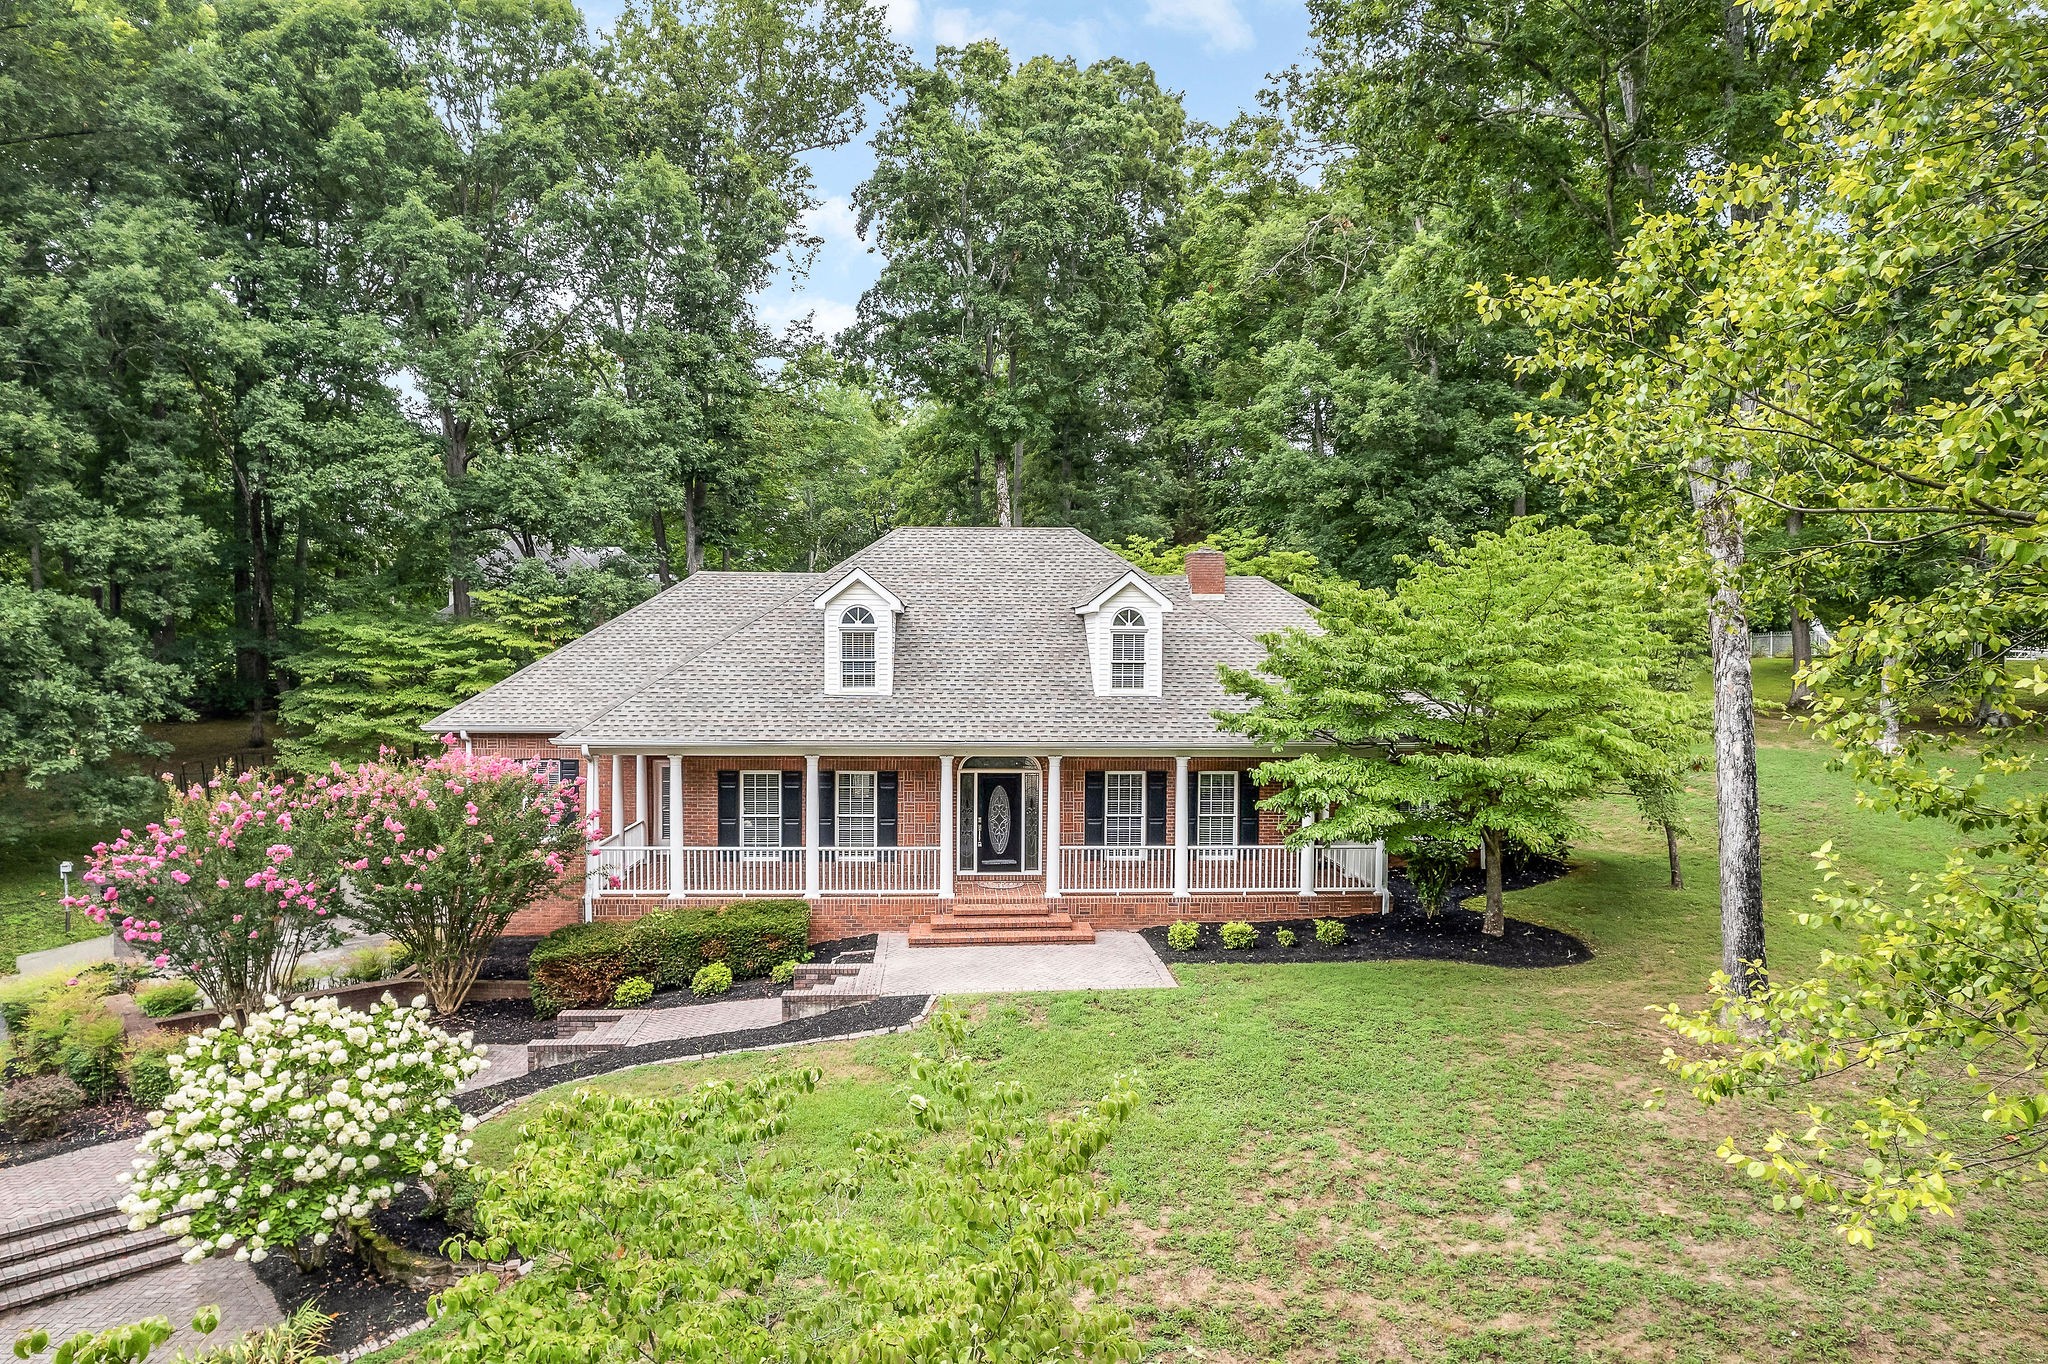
[(1000, 846)]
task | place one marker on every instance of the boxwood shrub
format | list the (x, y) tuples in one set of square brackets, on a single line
[(582, 966)]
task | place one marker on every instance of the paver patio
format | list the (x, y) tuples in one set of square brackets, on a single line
[(1114, 961)]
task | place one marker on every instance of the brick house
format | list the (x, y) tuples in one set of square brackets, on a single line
[(974, 734)]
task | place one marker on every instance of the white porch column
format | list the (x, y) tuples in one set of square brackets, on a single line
[(675, 828), (811, 826), (1180, 828), (640, 798), (1052, 827), (618, 798), (1308, 861), (949, 828), (590, 861)]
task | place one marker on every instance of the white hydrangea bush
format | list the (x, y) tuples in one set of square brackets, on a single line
[(276, 1133)]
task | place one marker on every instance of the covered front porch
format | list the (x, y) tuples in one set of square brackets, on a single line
[(1135, 830)]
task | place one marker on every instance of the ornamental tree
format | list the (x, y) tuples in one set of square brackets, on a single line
[(441, 853), (276, 1134), (678, 1227), (225, 886), (1851, 337), (1481, 700)]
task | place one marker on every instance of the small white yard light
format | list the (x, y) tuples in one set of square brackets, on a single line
[(64, 870)]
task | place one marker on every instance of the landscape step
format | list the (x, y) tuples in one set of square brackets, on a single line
[(75, 1250), (948, 932)]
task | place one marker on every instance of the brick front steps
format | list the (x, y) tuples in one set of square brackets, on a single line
[(968, 924), (55, 1254)]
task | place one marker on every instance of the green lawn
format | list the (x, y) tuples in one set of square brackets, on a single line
[(1443, 1162)]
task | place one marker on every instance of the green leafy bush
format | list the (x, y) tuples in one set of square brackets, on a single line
[(93, 1055), (1181, 937), (633, 991), (1237, 936), (167, 998), (17, 997), (148, 1070), (750, 936), (580, 966), (71, 1031), (1332, 933), (714, 979), (784, 972), (1284, 936), (33, 1108), (583, 965)]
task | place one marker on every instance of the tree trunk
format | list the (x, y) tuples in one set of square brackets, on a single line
[(454, 470), (1521, 503), (1002, 491), (1496, 923), (661, 561), (1887, 710), (693, 526), (1802, 632), (1741, 833), (1017, 481), (1671, 854), (299, 574), (35, 565)]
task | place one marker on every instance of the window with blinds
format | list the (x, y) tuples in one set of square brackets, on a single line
[(760, 809)]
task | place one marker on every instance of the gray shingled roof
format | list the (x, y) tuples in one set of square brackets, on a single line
[(989, 654)]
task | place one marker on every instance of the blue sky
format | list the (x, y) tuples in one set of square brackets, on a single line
[(1215, 52)]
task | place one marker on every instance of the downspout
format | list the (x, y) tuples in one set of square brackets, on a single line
[(463, 735), (589, 809)]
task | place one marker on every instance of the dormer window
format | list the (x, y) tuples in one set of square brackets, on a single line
[(857, 649), (1127, 651)]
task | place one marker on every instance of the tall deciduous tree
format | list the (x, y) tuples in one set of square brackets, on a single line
[(1478, 701), (1852, 333), (1018, 209)]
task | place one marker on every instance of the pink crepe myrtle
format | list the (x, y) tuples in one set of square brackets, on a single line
[(440, 853), (214, 888)]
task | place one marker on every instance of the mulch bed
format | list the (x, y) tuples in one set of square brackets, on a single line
[(364, 1306), (87, 1127), (1406, 933), (891, 1011)]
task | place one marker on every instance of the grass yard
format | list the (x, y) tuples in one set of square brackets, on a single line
[(1392, 1161)]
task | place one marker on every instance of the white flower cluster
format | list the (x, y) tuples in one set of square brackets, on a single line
[(310, 1115)]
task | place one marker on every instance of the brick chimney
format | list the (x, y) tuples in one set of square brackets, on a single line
[(1205, 572)]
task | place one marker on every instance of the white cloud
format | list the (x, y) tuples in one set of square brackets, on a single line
[(903, 17), (834, 221), (828, 316), (1024, 35), (959, 27), (1218, 22)]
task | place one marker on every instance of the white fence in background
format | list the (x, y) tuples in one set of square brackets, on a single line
[(1119, 870), (1244, 867), (878, 871), (1351, 866)]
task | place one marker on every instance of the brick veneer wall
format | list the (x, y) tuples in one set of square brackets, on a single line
[(565, 904), (1073, 828)]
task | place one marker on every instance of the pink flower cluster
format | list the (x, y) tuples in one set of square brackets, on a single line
[(221, 837)]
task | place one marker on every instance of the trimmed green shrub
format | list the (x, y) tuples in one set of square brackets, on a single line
[(35, 1107), (92, 1057), (17, 997), (70, 1030), (167, 998), (750, 936), (1181, 937), (1237, 936), (714, 979), (1284, 936), (784, 972), (580, 967), (1331, 932), (148, 1070), (633, 991)]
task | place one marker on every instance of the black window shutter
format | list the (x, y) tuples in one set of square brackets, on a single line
[(792, 808), (728, 809), (1155, 809), (1247, 808), (828, 806), (885, 809), (569, 768), (1091, 809)]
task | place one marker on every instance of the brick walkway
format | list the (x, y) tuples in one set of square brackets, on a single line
[(85, 1178), (1114, 961)]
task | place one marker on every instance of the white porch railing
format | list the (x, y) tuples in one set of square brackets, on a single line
[(1351, 866), (878, 871), (741, 871), (1244, 867), (1115, 870)]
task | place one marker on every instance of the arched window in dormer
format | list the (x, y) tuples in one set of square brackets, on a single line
[(1127, 651), (857, 648)]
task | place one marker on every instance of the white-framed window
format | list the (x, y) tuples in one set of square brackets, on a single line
[(1127, 651), (853, 825), (760, 809), (857, 648), (1215, 808), (1123, 809)]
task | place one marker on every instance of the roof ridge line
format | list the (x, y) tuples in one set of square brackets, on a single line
[(694, 654)]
